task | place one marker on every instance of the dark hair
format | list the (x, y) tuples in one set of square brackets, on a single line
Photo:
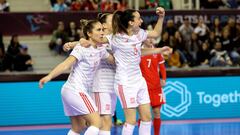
[(12, 39), (89, 27), (102, 17), (121, 19)]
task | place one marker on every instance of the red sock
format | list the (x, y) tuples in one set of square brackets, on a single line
[(156, 125)]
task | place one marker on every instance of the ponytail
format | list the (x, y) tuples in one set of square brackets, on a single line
[(121, 19), (116, 23)]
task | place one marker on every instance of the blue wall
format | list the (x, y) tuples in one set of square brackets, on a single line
[(24, 103), (201, 98)]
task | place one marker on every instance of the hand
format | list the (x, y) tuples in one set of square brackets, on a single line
[(84, 43), (163, 82), (68, 46), (44, 80), (166, 50), (160, 12)]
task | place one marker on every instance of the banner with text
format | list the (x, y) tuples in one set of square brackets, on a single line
[(29, 23), (202, 98), (23, 103)]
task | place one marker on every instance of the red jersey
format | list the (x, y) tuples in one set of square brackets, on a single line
[(150, 66)]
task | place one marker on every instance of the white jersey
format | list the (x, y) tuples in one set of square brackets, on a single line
[(83, 71), (127, 53), (104, 77)]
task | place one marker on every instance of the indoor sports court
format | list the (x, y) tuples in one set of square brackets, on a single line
[(202, 90), (201, 127)]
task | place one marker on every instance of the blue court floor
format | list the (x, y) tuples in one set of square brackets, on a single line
[(205, 127)]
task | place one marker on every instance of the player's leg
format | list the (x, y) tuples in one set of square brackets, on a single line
[(156, 119), (74, 107), (106, 124), (145, 116), (130, 117), (94, 122), (91, 115), (144, 109), (127, 96), (106, 103), (75, 128), (157, 99)]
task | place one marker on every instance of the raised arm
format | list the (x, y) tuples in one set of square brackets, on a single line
[(156, 32), (164, 50), (69, 45), (83, 42), (59, 69)]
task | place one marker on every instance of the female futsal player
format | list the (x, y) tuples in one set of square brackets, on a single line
[(103, 90), (150, 66), (103, 85), (84, 61), (130, 86)]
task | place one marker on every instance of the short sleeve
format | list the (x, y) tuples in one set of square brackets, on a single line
[(77, 52)]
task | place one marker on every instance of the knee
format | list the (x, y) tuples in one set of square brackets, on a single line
[(131, 121), (96, 122), (146, 117), (156, 113), (106, 123)]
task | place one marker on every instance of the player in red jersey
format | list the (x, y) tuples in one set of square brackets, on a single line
[(152, 66)]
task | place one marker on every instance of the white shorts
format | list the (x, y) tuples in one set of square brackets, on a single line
[(77, 102), (132, 96), (105, 102)]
